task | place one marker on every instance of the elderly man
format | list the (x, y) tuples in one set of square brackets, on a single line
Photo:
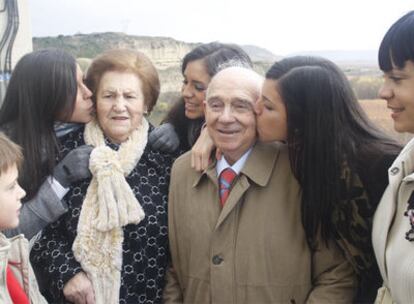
[(235, 230)]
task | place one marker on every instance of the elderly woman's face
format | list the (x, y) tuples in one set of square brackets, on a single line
[(119, 104)]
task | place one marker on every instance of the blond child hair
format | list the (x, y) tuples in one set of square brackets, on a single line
[(10, 153)]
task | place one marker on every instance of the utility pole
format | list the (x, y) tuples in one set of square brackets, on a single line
[(15, 38)]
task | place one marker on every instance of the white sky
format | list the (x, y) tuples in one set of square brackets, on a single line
[(281, 26)]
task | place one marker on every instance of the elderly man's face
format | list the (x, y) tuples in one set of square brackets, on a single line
[(229, 113)]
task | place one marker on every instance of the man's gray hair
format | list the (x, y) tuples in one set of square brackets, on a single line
[(233, 63), (255, 78)]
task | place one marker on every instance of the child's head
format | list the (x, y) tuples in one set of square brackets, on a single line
[(10, 191)]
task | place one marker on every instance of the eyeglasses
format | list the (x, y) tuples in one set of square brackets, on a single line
[(409, 235)]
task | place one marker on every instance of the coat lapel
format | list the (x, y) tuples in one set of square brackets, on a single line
[(384, 216), (400, 170), (257, 170)]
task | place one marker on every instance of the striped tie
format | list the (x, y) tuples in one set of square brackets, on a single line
[(226, 179)]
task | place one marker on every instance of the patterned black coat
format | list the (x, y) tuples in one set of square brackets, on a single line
[(145, 246), (362, 188)]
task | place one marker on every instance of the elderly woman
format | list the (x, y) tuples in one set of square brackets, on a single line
[(111, 247)]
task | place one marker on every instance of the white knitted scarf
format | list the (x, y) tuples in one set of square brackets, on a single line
[(109, 205)]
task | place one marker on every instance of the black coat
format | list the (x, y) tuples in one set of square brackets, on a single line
[(145, 247)]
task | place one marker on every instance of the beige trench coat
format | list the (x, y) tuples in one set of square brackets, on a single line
[(254, 249), (393, 252)]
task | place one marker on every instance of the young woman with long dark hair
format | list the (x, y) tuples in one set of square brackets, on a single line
[(338, 156), (46, 87)]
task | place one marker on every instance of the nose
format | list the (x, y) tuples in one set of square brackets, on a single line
[(21, 193), (227, 115), (86, 93), (186, 91), (385, 91), (258, 107), (119, 105)]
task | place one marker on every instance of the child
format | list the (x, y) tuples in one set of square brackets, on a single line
[(17, 282)]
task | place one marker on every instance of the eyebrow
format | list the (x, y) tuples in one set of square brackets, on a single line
[(397, 69), (241, 100), (213, 98), (396, 72), (11, 183), (199, 82), (194, 80), (115, 90), (266, 98)]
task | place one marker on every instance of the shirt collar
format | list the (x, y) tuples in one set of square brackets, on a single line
[(258, 166), (236, 167)]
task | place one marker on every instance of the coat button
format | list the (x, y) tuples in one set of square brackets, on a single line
[(394, 170), (217, 260)]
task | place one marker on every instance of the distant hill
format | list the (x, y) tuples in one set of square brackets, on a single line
[(166, 53), (353, 57), (163, 51), (258, 54)]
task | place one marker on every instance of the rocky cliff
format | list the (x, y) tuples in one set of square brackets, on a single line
[(163, 51), (166, 53)]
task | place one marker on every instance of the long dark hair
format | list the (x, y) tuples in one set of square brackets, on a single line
[(397, 46), (42, 88), (327, 129), (214, 55)]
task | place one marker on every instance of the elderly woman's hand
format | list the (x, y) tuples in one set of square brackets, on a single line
[(79, 290), (201, 151)]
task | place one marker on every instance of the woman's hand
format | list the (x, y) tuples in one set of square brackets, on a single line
[(164, 138), (74, 166), (79, 290), (201, 151)]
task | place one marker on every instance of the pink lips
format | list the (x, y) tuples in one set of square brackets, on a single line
[(228, 132), (120, 118), (191, 106), (395, 112), (394, 115)]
